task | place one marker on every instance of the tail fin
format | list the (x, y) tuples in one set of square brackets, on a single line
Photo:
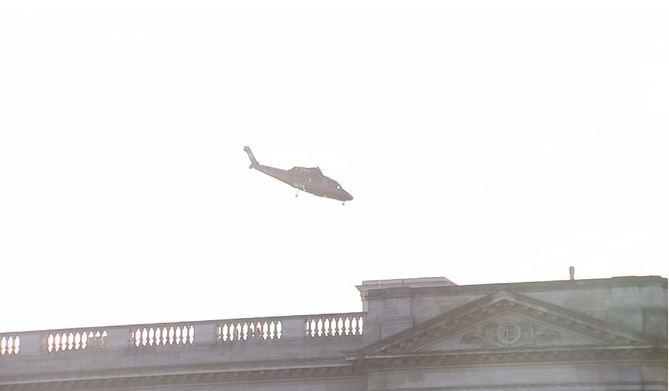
[(254, 162)]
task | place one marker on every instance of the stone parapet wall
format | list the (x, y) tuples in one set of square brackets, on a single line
[(154, 349)]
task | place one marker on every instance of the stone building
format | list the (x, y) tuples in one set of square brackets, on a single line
[(415, 334)]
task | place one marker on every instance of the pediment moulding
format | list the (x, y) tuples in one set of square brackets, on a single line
[(506, 319)]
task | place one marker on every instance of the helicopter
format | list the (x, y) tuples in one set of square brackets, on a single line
[(308, 179)]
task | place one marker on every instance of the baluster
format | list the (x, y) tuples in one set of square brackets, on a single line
[(177, 335), (235, 336), (191, 334), (172, 335), (7, 345), (17, 345)]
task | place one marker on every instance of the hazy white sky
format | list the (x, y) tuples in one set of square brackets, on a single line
[(483, 141)]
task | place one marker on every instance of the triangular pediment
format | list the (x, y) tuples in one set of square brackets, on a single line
[(505, 321)]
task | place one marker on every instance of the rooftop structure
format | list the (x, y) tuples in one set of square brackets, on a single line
[(413, 334)]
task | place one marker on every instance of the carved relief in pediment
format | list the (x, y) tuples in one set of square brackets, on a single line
[(511, 332)]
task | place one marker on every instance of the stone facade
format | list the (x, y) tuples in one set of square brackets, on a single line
[(416, 334)]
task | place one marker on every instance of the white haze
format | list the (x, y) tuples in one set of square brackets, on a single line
[(485, 141)]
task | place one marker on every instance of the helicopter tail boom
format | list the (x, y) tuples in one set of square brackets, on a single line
[(254, 162)]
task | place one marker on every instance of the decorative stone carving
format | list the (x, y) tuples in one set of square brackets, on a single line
[(511, 332)]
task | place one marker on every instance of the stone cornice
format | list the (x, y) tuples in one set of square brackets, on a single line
[(191, 378), (440, 359), (356, 367)]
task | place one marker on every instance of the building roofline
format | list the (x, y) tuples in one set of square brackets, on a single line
[(404, 290)]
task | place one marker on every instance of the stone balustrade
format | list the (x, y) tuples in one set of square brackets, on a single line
[(62, 341), (162, 335), (10, 345), (247, 330), (334, 325), (291, 329)]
